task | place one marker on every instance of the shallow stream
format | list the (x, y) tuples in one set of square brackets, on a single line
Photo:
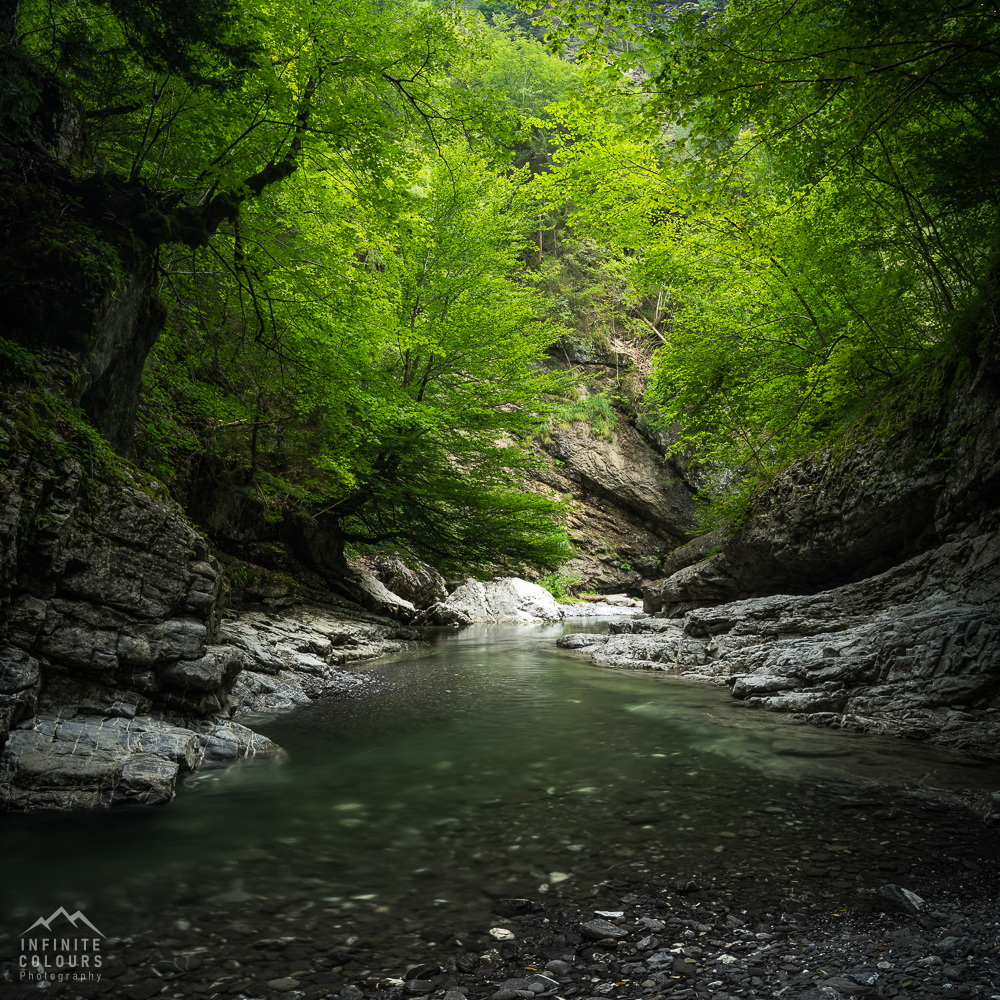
[(493, 765)]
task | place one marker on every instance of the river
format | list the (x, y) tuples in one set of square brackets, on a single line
[(493, 765)]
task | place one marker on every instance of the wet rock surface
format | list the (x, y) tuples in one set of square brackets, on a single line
[(52, 763), (87, 744), (897, 653)]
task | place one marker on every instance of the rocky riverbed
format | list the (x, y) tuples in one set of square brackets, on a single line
[(689, 876), (904, 914)]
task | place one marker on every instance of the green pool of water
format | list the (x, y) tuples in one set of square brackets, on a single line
[(496, 764)]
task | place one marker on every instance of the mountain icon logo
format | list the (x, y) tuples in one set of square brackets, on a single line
[(73, 918)]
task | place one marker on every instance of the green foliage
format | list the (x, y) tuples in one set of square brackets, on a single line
[(583, 287), (519, 66), (44, 427), (594, 410), (811, 192), (340, 243), (393, 382), (562, 586)]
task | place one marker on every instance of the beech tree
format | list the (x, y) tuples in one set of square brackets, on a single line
[(312, 199), (812, 189)]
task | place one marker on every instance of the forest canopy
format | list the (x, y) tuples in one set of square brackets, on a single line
[(810, 192), (337, 230), (364, 224)]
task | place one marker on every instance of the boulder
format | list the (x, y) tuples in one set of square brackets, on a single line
[(82, 763), (508, 600), (895, 899), (418, 583), (372, 594), (443, 614)]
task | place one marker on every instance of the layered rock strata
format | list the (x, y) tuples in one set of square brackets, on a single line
[(850, 514), (898, 653), (862, 589), (117, 675), (630, 506)]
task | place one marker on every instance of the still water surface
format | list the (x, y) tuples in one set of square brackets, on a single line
[(496, 764)]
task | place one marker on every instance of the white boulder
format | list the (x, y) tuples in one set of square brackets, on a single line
[(509, 601)]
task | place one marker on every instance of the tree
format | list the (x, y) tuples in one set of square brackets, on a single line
[(815, 190), (311, 196)]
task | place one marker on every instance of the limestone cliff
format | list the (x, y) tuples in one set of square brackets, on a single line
[(932, 486), (862, 590), (117, 671), (631, 506)]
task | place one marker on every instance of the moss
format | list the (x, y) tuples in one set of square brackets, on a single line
[(249, 580), (50, 431)]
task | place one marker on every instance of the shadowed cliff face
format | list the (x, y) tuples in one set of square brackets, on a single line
[(630, 506), (862, 591), (76, 287), (926, 496)]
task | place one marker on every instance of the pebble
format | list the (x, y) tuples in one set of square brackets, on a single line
[(600, 929)]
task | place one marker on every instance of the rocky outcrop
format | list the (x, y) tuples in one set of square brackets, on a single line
[(54, 763), (695, 551), (849, 514), (117, 674), (626, 471), (630, 505), (411, 580), (112, 594), (70, 752), (694, 586), (387, 585), (904, 652), (369, 591), (862, 590), (508, 601), (300, 655)]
